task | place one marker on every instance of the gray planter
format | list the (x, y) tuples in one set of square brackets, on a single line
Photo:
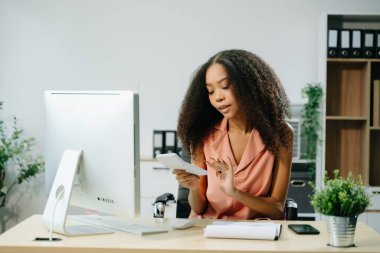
[(341, 231)]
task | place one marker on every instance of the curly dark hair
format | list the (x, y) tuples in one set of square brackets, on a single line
[(258, 90)]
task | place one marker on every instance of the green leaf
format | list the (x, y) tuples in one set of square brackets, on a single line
[(340, 196), (29, 171), (310, 114), (16, 153)]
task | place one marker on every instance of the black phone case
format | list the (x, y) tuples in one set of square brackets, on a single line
[(304, 229)]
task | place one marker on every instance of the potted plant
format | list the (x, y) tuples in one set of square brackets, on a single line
[(15, 153), (341, 200), (311, 123)]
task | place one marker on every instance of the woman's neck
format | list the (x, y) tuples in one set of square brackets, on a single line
[(238, 125)]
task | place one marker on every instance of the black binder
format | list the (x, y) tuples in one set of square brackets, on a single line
[(333, 43), (369, 44), (345, 46), (179, 147), (158, 142), (356, 43), (170, 141), (377, 40)]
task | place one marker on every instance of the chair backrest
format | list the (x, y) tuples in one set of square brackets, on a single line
[(183, 206)]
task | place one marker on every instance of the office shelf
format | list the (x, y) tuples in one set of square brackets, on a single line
[(350, 140)]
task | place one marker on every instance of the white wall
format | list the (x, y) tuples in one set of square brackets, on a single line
[(152, 46)]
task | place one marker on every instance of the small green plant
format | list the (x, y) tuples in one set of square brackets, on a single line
[(15, 152), (311, 122), (345, 197)]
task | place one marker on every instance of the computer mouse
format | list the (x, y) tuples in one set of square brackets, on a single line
[(181, 223)]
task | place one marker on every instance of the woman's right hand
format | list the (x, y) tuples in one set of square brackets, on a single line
[(185, 179)]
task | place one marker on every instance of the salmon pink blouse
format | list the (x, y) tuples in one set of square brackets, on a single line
[(252, 175)]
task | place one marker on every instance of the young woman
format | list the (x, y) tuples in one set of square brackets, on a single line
[(232, 120)]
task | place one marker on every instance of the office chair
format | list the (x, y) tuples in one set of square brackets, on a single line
[(183, 206)]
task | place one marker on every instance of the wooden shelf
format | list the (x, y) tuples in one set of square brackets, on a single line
[(346, 148), (352, 60), (347, 88), (148, 159), (351, 142), (346, 118)]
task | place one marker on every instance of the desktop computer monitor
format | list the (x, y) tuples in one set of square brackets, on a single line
[(92, 154)]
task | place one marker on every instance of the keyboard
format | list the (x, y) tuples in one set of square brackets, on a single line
[(119, 224)]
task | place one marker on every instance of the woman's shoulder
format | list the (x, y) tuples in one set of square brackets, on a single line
[(219, 130), (290, 128), (288, 149), (290, 131), (221, 125)]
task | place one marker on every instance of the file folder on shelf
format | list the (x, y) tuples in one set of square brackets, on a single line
[(332, 43), (356, 44), (345, 47), (179, 147), (369, 44), (165, 141), (377, 48), (158, 142), (170, 141)]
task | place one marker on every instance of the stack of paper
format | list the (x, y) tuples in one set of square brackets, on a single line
[(243, 230)]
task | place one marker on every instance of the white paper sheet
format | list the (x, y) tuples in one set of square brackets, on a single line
[(243, 230)]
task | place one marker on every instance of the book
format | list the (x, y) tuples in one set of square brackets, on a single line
[(376, 103), (243, 230)]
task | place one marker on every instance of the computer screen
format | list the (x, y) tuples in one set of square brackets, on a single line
[(92, 152)]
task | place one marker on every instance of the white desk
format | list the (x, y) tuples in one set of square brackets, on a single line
[(20, 239)]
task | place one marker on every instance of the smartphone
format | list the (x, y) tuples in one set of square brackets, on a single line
[(304, 229)]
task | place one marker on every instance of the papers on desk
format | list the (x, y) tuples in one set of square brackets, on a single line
[(243, 230)]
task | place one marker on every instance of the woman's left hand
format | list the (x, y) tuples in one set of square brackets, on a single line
[(224, 174)]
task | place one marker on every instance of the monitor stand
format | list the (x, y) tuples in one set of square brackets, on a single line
[(55, 213)]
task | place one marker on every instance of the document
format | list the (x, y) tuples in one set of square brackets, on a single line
[(243, 230), (173, 161)]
